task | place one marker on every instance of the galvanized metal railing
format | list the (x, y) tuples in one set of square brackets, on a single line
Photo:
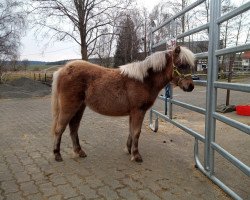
[(212, 85)]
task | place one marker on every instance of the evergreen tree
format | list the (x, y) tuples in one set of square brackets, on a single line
[(127, 45)]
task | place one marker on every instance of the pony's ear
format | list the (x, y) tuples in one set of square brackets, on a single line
[(177, 50)]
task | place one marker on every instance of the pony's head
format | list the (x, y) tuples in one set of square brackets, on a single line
[(183, 62)]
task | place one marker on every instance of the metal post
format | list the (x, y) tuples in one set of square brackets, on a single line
[(170, 102), (211, 90), (151, 39), (172, 35), (166, 103)]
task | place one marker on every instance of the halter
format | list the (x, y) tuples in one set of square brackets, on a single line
[(182, 76)]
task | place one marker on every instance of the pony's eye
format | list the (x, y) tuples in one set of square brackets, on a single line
[(182, 67)]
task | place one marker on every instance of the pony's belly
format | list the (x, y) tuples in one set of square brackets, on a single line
[(110, 105), (107, 97), (109, 110)]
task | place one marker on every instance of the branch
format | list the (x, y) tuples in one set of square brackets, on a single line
[(97, 36), (61, 32), (97, 26)]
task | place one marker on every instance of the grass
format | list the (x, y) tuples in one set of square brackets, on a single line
[(34, 75), (37, 67)]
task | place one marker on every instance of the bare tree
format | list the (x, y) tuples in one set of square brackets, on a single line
[(12, 24), (107, 43), (142, 26), (159, 14), (83, 21), (166, 10)]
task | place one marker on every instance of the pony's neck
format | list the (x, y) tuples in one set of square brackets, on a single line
[(158, 80)]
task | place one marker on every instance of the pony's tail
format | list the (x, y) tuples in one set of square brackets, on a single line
[(54, 101)]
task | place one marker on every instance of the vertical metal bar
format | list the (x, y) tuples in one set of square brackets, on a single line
[(151, 116), (166, 103), (170, 102), (172, 29), (151, 40), (211, 96), (153, 125)]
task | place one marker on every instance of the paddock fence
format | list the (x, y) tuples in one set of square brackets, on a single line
[(214, 51)]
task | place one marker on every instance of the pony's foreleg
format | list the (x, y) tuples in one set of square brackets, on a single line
[(74, 126), (136, 124), (129, 141)]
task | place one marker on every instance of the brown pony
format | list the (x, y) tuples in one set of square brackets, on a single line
[(130, 90)]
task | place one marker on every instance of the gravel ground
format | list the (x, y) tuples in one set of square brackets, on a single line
[(23, 88)]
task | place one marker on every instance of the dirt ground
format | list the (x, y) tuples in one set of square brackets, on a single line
[(23, 88)]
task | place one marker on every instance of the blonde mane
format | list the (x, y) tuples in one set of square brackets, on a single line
[(187, 56), (139, 70), (157, 61)]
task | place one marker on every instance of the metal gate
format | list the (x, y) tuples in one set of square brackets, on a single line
[(212, 84)]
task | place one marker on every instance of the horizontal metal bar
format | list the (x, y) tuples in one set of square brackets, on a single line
[(159, 43), (188, 106), (236, 162), (197, 55), (234, 12), (201, 55), (182, 127), (161, 98), (188, 8), (192, 31), (184, 105), (235, 49), (199, 82), (231, 122), (233, 86), (212, 177)]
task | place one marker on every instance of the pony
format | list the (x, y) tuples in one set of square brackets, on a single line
[(129, 90)]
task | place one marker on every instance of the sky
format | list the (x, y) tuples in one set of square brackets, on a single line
[(36, 49)]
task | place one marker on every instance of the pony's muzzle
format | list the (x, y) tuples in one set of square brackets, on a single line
[(188, 88), (186, 85)]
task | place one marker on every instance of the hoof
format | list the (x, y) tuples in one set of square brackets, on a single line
[(58, 158), (129, 151), (137, 158), (126, 150), (82, 154)]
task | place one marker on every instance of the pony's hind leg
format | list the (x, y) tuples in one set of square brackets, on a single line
[(136, 124), (60, 127), (65, 114), (74, 126)]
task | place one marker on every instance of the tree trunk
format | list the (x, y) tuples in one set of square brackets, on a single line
[(84, 51)]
